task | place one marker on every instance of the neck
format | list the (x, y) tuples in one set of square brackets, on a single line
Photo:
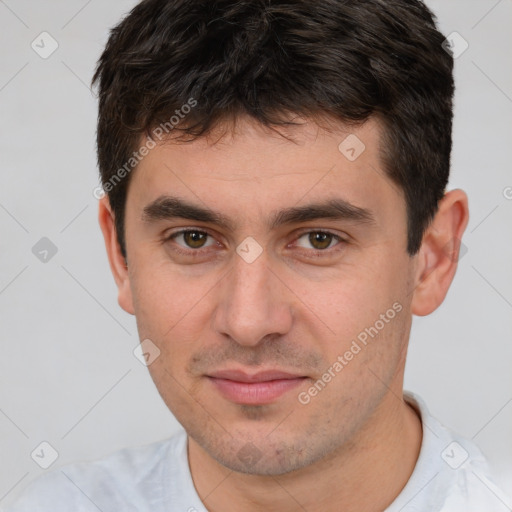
[(367, 475)]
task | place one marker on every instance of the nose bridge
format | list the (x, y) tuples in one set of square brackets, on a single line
[(250, 284), (251, 303)]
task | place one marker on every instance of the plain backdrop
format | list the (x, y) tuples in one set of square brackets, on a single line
[(68, 375)]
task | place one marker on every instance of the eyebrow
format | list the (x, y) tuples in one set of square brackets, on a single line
[(170, 207)]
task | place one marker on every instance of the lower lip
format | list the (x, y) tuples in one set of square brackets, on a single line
[(255, 393)]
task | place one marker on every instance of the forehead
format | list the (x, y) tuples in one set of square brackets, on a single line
[(252, 169)]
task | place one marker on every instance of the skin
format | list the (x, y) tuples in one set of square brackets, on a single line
[(357, 439)]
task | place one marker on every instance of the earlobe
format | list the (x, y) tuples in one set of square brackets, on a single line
[(116, 259), (439, 253)]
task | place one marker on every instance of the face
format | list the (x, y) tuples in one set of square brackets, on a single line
[(282, 312)]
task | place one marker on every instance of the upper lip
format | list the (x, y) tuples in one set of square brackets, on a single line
[(264, 376)]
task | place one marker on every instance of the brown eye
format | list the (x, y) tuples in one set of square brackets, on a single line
[(191, 239), (320, 240), (195, 239)]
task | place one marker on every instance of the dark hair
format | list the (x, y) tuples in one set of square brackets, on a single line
[(347, 59)]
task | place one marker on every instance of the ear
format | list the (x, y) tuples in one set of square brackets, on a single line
[(116, 259), (439, 253)]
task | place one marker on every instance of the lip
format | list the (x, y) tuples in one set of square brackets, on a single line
[(256, 389)]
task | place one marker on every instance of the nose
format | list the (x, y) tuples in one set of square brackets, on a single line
[(252, 303)]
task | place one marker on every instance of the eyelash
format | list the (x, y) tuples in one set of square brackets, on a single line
[(311, 252)]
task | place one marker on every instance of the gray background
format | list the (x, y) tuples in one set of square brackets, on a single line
[(67, 372)]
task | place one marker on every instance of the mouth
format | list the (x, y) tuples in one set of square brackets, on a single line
[(254, 389)]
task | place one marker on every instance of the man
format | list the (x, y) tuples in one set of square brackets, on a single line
[(275, 213)]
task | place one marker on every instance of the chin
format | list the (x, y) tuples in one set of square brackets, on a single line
[(260, 457)]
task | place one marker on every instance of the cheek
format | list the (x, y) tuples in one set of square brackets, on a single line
[(163, 296), (172, 311), (153, 303), (362, 313), (348, 299)]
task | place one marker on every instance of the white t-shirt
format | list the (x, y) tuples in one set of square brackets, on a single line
[(451, 475)]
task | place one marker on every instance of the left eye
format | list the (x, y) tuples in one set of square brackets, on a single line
[(193, 239), (320, 240)]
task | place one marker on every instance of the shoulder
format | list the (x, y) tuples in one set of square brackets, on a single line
[(119, 481), (452, 468)]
